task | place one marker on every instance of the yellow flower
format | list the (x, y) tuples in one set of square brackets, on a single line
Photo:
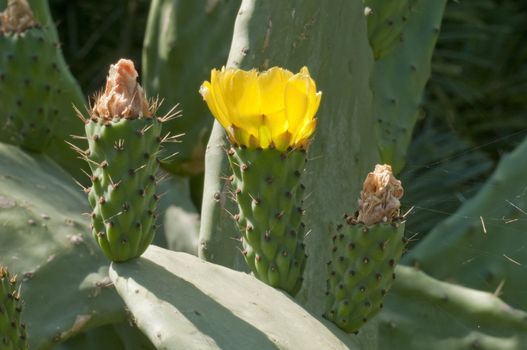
[(274, 108)]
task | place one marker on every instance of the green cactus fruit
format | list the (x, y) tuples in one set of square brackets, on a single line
[(12, 331), (266, 186), (386, 21), (29, 68), (365, 251), (124, 144)]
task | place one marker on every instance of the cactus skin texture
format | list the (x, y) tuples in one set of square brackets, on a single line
[(266, 184), (182, 302), (386, 21), (361, 271), (28, 66), (365, 252), (399, 79), (37, 90), (123, 164), (180, 44), (267, 188), (12, 331)]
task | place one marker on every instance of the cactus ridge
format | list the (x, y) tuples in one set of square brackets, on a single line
[(266, 186), (123, 159), (12, 331), (361, 271), (29, 89), (386, 23)]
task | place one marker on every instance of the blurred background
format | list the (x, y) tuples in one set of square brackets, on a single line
[(473, 110)]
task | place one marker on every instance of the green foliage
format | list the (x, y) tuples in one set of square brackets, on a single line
[(182, 302), (96, 33), (424, 313), (12, 331), (492, 221), (178, 222), (398, 81), (361, 271), (37, 92), (480, 73), (183, 41), (123, 158), (120, 336), (266, 35), (386, 24), (372, 73), (441, 172), (28, 91), (45, 240), (266, 186)]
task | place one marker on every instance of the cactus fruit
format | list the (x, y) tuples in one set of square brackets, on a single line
[(124, 145), (269, 118), (365, 251), (12, 331)]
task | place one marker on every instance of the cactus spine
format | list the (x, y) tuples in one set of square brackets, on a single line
[(124, 143), (268, 191), (269, 117), (386, 22), (365, 251), (28, 65), (12, 331)]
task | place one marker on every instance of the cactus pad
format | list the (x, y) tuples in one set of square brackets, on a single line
[(267, 188), (386, 21), (29, 76), (12, 331)]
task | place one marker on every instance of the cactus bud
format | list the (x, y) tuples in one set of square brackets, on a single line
[(365, 253)]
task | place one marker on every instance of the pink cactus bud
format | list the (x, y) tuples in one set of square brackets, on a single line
[(123, 97)]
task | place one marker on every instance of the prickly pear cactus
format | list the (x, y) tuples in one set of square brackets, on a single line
[(12, 330), (124, 143), (399, 78), (28, 70), (180, 44), (268, 191), (365, 251), (267, 157), (37, 90), (386, 21)]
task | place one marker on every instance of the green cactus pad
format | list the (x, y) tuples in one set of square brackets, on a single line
[(123, 159), (361, 271), (29, 72), (386, 21), (266, 186), (12, 331), (179, 43)]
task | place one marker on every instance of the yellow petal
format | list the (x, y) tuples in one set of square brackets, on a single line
[(302, 138), (297, 101), (244, 97), (206, 91), (282, 141), (308, 126), (220, 80), (272, 89), (274, 107), (277, 124), (264, 136)]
